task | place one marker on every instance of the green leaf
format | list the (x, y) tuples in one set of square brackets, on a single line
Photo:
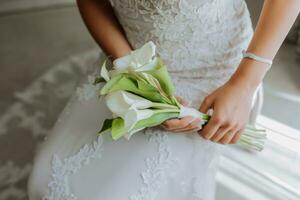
[(149, 92), (124, 83), (162, 75), (129, 83), (106, 88), (106, 126), (155, 120), (117, 128)]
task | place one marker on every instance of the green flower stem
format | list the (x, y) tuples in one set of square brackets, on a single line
[(250, 144), (250, 127), (205, 117), (255, 135), (166, 111), (173, 98), (252, 137), (163, 105)]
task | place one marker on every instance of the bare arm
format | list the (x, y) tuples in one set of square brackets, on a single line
[(276, 19), (232, 102), (103, 25)]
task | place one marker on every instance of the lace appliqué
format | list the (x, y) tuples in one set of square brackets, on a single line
[(157, 167), (88, 90), (62, 169)]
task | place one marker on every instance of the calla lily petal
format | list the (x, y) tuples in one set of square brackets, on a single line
[(134, 115), (104, 73), (116, 104), (123, 62), (136, 58), (150, 65), (136, 101), (120, 101)]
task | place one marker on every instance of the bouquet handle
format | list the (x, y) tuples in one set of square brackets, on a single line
[(251, 138)]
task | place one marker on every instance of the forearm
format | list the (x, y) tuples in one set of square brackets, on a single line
[(275, 21), (103, 25)]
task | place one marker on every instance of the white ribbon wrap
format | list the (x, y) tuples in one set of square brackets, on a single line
[(187, 111)]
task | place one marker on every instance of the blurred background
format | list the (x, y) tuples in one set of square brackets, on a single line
[(45, 48)]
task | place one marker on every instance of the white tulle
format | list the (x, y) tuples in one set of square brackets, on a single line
[(201, 43)]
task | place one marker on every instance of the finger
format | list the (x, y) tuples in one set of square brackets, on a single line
[(194, 125), (163, 126), (211, 128), (169, 123), (182, 101), (228, 137), (220, 133), (178, 123), (235, 138), (193, 130), (206, 104)]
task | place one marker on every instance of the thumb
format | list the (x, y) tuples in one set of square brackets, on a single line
[(206, 104)]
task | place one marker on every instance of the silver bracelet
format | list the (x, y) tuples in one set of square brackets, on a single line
[(256, 58)]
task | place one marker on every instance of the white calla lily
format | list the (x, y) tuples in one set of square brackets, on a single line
[(133, 115), (131, 108), (120, 102), (138, 60)]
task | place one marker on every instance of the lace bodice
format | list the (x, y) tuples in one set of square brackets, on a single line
[(192, 36)]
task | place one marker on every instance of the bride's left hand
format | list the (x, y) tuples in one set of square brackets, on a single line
[(231, 104)]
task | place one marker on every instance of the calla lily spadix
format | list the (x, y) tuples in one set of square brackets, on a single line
[(139, 92)]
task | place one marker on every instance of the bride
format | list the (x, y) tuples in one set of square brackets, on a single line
[(201, 42)]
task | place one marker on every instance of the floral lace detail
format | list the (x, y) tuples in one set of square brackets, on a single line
[(189, 34), (88, 90), (157, 167), (62, 169)]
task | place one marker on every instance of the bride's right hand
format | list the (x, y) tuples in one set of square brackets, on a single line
[(185, 124)]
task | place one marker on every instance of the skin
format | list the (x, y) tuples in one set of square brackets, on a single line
[(98, 14), (231, 102)]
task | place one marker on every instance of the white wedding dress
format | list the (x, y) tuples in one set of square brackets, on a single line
[(201, 43)]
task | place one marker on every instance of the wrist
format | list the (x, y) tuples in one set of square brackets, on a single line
[(120, 53), (249, 74)]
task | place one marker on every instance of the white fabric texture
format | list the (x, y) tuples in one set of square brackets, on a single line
[(201, 43)]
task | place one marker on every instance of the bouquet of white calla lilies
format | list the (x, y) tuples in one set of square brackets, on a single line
[(140, 94)]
